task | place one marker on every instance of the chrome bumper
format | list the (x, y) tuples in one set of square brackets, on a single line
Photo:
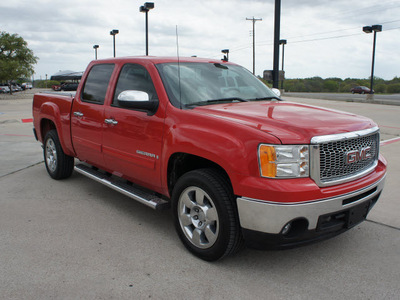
[(271, 217)]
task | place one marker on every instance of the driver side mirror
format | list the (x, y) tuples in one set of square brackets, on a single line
[(137, 100)]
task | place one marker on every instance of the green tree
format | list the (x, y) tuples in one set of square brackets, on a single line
[(16, 59), (393, 88), (331, 86), (380, 88)]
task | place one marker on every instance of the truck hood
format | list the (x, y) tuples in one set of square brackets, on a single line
[(290, 122)]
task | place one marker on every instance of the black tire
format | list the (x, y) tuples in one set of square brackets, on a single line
[(58, 164), (205, 214)]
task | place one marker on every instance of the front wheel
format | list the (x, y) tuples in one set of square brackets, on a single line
[(205, 214), (58, 164)]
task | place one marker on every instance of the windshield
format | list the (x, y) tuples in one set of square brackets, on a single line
[(211, 83)]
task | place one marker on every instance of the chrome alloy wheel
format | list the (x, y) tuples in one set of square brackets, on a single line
[(51, 155), (198, 217)]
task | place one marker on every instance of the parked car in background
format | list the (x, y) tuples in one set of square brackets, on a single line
[(26, 85), (361, 90), (69, 86), (16, 88), (56, 87), (4, 89)]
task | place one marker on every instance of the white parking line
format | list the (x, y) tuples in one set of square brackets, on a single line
[(391, 141)]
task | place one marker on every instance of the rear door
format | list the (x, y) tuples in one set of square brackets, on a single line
[(88, 115)]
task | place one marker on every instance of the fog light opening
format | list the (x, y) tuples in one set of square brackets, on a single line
[(294, 228)]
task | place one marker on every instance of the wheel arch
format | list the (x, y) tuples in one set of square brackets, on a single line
[(181, 163), (45, 126)]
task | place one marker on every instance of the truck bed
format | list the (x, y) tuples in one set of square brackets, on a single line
[(55, 108)]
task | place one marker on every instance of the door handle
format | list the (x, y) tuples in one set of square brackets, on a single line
[(110, 121), (78, 114)]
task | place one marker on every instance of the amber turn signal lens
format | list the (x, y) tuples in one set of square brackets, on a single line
[(267, 156)]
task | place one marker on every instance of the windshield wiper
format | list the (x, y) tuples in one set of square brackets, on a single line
[(265, 98), (206, 102)]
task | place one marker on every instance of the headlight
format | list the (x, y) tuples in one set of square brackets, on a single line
[(282, 161)]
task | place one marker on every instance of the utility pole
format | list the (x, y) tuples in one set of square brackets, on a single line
[(254, 41)]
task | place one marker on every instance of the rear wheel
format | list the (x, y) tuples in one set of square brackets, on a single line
[(58, 164), (205, 215)]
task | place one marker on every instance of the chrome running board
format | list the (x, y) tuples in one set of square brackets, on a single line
[(118, 184)]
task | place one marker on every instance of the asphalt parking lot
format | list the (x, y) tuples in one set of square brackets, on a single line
[(76, 239)]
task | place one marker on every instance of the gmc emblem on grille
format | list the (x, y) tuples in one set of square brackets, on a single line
[(358, 155)]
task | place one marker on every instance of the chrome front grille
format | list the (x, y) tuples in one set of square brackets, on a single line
[(344, 157)]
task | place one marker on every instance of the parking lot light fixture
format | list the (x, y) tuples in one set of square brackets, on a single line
[(145, 9), (113, 33), (374, 29), (95, 47), (283, 43), (226, 57)]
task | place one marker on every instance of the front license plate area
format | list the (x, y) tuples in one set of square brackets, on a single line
[(357, 214)]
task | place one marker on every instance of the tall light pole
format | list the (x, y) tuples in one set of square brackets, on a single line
[(254, 41), (113, 33), (145, 9), (283, 43), (277, 27), (95, 47), (375, 29)]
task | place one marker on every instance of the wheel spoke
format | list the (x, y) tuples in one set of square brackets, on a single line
[(187, 201), (211, 214), (185, 219), (200, 195), (196, 238), (210, 234)]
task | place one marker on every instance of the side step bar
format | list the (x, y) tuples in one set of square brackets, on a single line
[(119, 185)]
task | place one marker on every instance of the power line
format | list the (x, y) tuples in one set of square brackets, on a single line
[(239, 48), (310, 40), (326, 32), (367, 9)]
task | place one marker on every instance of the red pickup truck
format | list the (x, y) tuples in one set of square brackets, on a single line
[(236, 164)]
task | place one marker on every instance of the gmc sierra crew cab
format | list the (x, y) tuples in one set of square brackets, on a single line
[(236, 164)]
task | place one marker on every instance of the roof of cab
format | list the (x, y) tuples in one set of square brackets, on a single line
[(160, 59)]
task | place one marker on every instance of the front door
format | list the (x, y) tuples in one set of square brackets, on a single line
[(132, 139)]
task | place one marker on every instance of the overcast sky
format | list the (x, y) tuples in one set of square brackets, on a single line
[(324, 37)]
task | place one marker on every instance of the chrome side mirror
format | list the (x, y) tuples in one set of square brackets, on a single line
[(137, 100), (131, 95), (277, 92)]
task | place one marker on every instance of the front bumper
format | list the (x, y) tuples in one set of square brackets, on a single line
[(263, 222)]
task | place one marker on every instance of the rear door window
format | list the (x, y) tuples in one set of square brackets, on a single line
[(96, 84)]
